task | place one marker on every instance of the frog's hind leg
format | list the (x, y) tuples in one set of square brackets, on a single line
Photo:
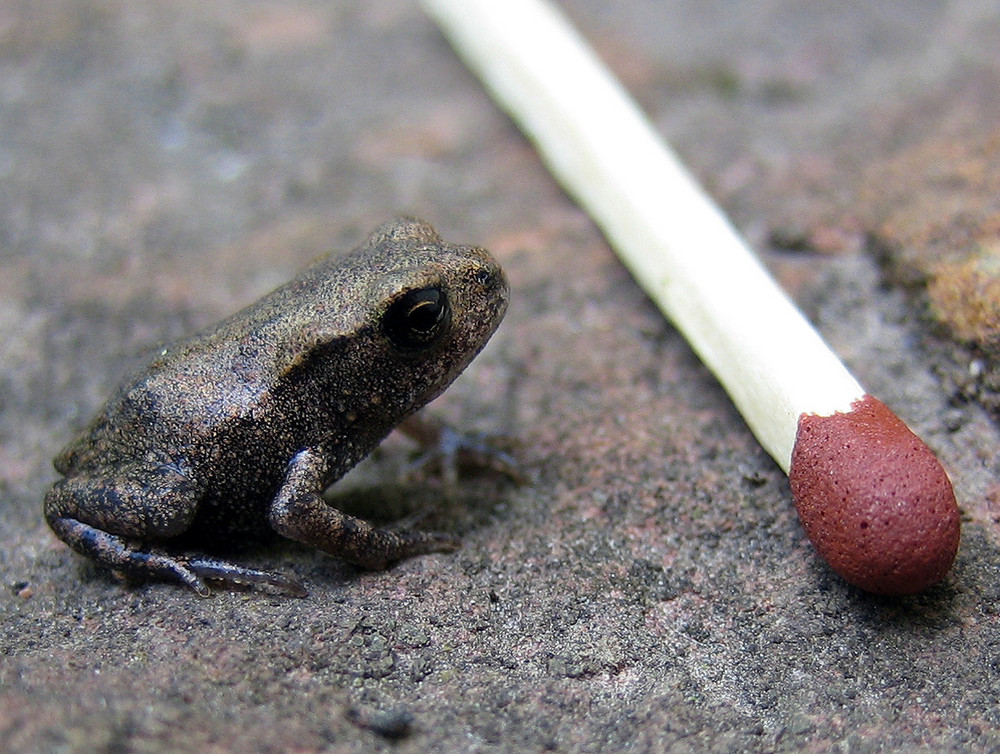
[(116, 553), (105, 517), (300, 513), (111, 520)]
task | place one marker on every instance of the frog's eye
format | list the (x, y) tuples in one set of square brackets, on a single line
[(418, 318)]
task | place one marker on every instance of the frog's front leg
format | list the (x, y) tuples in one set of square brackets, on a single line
[(300, 513), (100, 516), (449, 450)]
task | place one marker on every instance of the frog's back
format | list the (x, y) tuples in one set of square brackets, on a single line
[(161, 407), (310, 352), (200, 386)]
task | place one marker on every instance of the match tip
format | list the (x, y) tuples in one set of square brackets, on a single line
[(873, 499)]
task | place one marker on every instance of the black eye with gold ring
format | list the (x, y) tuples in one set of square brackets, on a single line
[(418, 319)]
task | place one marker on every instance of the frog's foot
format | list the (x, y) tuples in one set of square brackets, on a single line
[(120, 555), (308, 519), (449, 451), (233, 575), (300, 513)]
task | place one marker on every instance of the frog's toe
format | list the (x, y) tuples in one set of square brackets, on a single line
[(387, 546), (427, 542), (161, 565), (231, 574)]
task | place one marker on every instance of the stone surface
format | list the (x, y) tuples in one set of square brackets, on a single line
[(649, 586)]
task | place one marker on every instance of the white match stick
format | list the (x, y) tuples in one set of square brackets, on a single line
[(871, 496)]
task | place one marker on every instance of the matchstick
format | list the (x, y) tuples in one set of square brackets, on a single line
[(872, 497)]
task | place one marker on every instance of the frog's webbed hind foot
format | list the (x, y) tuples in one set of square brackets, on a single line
[(232, 575), (120, 555)]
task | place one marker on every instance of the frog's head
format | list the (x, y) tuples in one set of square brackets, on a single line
[(384, 330), (432, 308)]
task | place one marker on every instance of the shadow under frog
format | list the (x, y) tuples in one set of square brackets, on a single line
[(235, 432)]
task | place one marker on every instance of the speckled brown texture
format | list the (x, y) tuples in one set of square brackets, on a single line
[(232, 435), (964, 296), (874, 499), (650, 588), (932, 206)]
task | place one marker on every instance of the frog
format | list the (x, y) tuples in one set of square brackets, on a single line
[(231, 436)]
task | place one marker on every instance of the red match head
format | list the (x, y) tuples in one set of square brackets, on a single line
[(874, 500)]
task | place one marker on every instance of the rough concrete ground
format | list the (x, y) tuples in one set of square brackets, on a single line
[(649, 588)]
